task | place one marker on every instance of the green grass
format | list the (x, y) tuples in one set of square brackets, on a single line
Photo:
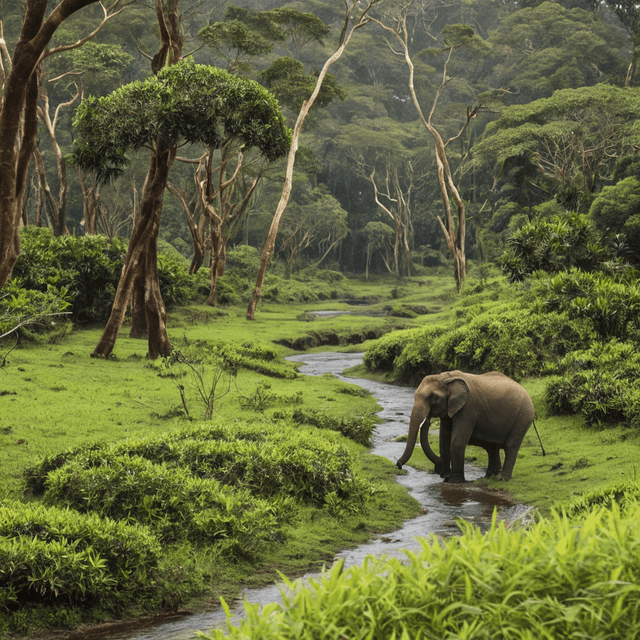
[(54, 397)]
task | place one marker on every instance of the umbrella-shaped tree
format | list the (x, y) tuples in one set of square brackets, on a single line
[(184, 104)]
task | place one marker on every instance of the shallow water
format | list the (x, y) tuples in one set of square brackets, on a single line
[(442, 504)]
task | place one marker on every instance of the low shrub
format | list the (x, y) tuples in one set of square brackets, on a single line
[(381, 356), (170, 500), (562, 578), (262, 360), (516, 341), (611, 301), (602, 383), (28, 312), (59, 555), (56, 570), (266, 459), (359, 430), (254, 356), (624, 495)]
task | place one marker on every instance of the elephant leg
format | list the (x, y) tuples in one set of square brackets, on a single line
[(494, 466), (510, 455), (445, 446), (511, 448), (458, 447)]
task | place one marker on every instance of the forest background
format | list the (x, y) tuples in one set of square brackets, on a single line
[(366, 193)]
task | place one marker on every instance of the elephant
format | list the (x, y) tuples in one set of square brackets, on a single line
[(490, 410)]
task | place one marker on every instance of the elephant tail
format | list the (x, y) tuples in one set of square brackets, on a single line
[(544, 453)]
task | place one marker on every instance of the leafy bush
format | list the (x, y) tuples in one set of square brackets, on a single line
[(623, 495), (516, 341), (48, 571), (256, 358), (50, 554), (86, 269), (560, 579), (170, 500), (556, 245), (28, 312), (382, 355), (357, 429), (610, 301), (266, 459), (602, 383)]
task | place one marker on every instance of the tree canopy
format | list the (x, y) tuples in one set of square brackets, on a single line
[(186, 103)]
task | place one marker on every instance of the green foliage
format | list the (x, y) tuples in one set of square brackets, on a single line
[(87, 267), (28, 311), (602, 383), (178, 104), (287, 79), (562, 578), (266, 459), (553, 246), (174, 503), (309, 285), (381, 356), (615, 210), (359, 430), (563, 44), (83, 271), (555, 131), (516, 341), (231, 356), (58, 555), (610, 301), (623, 495)]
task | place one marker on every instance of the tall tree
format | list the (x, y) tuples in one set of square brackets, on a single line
[(574, 137), (356, 15), (454, 37), (18, 112), (138, 285), (184, 103)]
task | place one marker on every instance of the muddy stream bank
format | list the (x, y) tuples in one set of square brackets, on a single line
[(442, 504)]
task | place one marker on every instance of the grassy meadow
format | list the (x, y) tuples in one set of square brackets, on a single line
[(69, 422)]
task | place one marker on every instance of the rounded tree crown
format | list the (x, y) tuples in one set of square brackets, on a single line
[(184, 103)]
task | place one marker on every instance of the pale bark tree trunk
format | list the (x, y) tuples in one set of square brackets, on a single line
[(138, 285), (347, 32), (18, 112), (455, 234), (196, 224), (90, 201), (58, 205), (399, 210)]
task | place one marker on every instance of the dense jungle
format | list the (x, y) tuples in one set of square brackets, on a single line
[(188, 188)]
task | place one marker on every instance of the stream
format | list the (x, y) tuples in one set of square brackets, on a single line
[(442, 504)]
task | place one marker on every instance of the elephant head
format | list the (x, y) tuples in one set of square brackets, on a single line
[(437, 396)]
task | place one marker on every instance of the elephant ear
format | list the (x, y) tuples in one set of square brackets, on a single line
[(458, 392)]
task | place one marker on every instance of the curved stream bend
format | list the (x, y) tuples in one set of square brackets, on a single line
[(442, 503)]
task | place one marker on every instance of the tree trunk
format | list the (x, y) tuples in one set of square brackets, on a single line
[(14, 159), (270, 243), (141, 262), (90, 199), (216, 247), (18, 118)]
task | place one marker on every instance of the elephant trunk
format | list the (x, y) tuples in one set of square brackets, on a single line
[(418, 418)]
